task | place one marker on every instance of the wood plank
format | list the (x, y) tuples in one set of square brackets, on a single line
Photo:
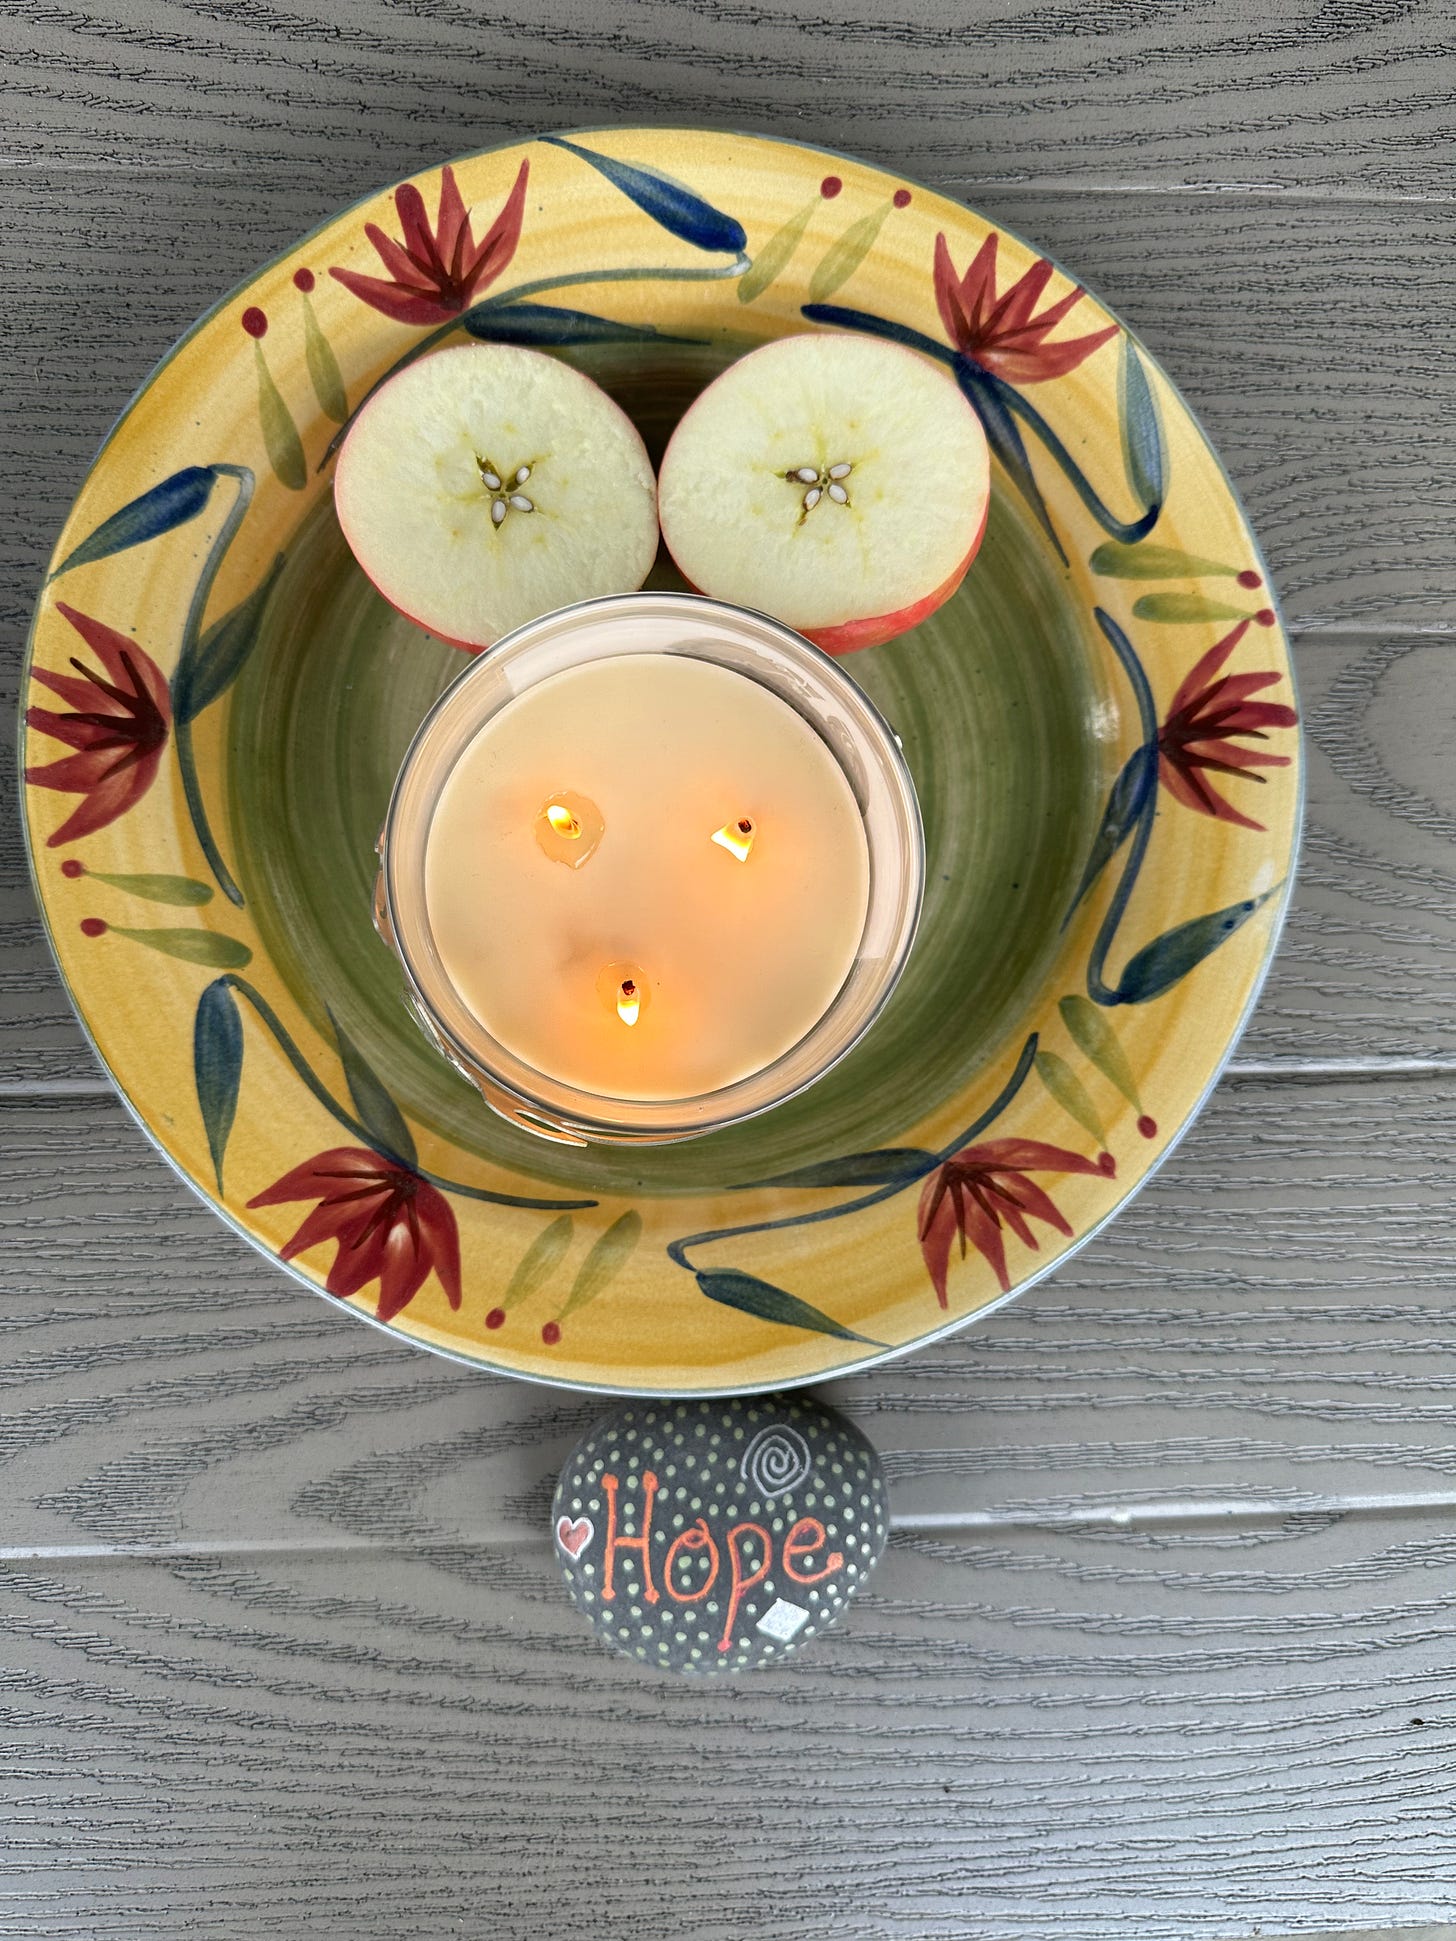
[(1186, 1737), (1366, 970), (1258, 1336), (1306, 97)]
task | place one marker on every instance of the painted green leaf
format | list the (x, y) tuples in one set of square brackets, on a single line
[(764, 1302), (1184, 609), (539, 1261), (889, 1165), (280, 434), (1097, 1040), (843, 258), (323, 368), (217, 1064), (1158, 966), (776, 255), (1117, 562), (1070, 1093), (207, 670), (378, 1113), (181, 890), (1143, 451), (192, 946), (162, 509), (606, 1260)]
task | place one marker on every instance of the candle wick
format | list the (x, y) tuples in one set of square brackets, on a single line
[(736, 837)]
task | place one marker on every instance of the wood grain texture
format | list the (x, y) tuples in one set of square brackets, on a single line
[(1180, 1737), (1162, 1644), (1344, 94), (1259, 1334)]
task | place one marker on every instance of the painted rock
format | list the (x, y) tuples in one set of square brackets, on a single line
[(715, 1536)]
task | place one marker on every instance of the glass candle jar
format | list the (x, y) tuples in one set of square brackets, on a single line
[(652, 865)]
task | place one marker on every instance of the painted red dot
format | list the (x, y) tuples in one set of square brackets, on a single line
[(1265, 616), (830, 187), (551, 1333), (1106, 1164), (902, 198), (496, 1318), (254, 322), (303, 280), (70, 867), (1249, 578), (92, 927), (1148, 1127)]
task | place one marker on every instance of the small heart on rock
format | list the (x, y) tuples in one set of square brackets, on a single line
[(574, 1537)]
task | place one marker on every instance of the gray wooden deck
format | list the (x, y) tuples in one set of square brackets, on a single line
[(1163, 1644)]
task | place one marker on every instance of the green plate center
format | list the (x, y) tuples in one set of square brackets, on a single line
[(994, 698)]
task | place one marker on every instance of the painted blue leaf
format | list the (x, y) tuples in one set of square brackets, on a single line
[(207, 668), (544, 324), (217, 1064), (840, 316), (1015, 403), (678, 209), (764, 1302), (1005, 441), (165, 507), (1130, 797), (891, 1165), (1143, 450), (1132, 666), (1158, 966), (378, 1113)]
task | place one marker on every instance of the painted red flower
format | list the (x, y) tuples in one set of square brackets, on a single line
[(984, 1187), (1002, 333), (118, 724), (436, 273), (391, 1225), (1208, 717)]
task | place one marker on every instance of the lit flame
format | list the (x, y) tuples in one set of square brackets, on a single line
[(736, 838), (629, 1001), (562, 820)]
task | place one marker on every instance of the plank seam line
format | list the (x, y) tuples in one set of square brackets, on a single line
[(949, 184), (947, 1523)]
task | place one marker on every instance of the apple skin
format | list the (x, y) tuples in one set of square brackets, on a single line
[(851, 635), (460, 646)]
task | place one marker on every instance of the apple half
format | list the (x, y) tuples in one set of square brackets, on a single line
[(836, 482), (486, 485)]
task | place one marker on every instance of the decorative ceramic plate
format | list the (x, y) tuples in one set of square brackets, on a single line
[(1100, 725)]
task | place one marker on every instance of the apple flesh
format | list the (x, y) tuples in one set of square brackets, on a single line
[(836, 482), (486, 485)]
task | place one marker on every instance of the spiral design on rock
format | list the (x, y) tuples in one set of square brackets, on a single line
[(776, 1460)]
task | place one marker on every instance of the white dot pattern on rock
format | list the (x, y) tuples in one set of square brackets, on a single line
[(724, 1534)]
